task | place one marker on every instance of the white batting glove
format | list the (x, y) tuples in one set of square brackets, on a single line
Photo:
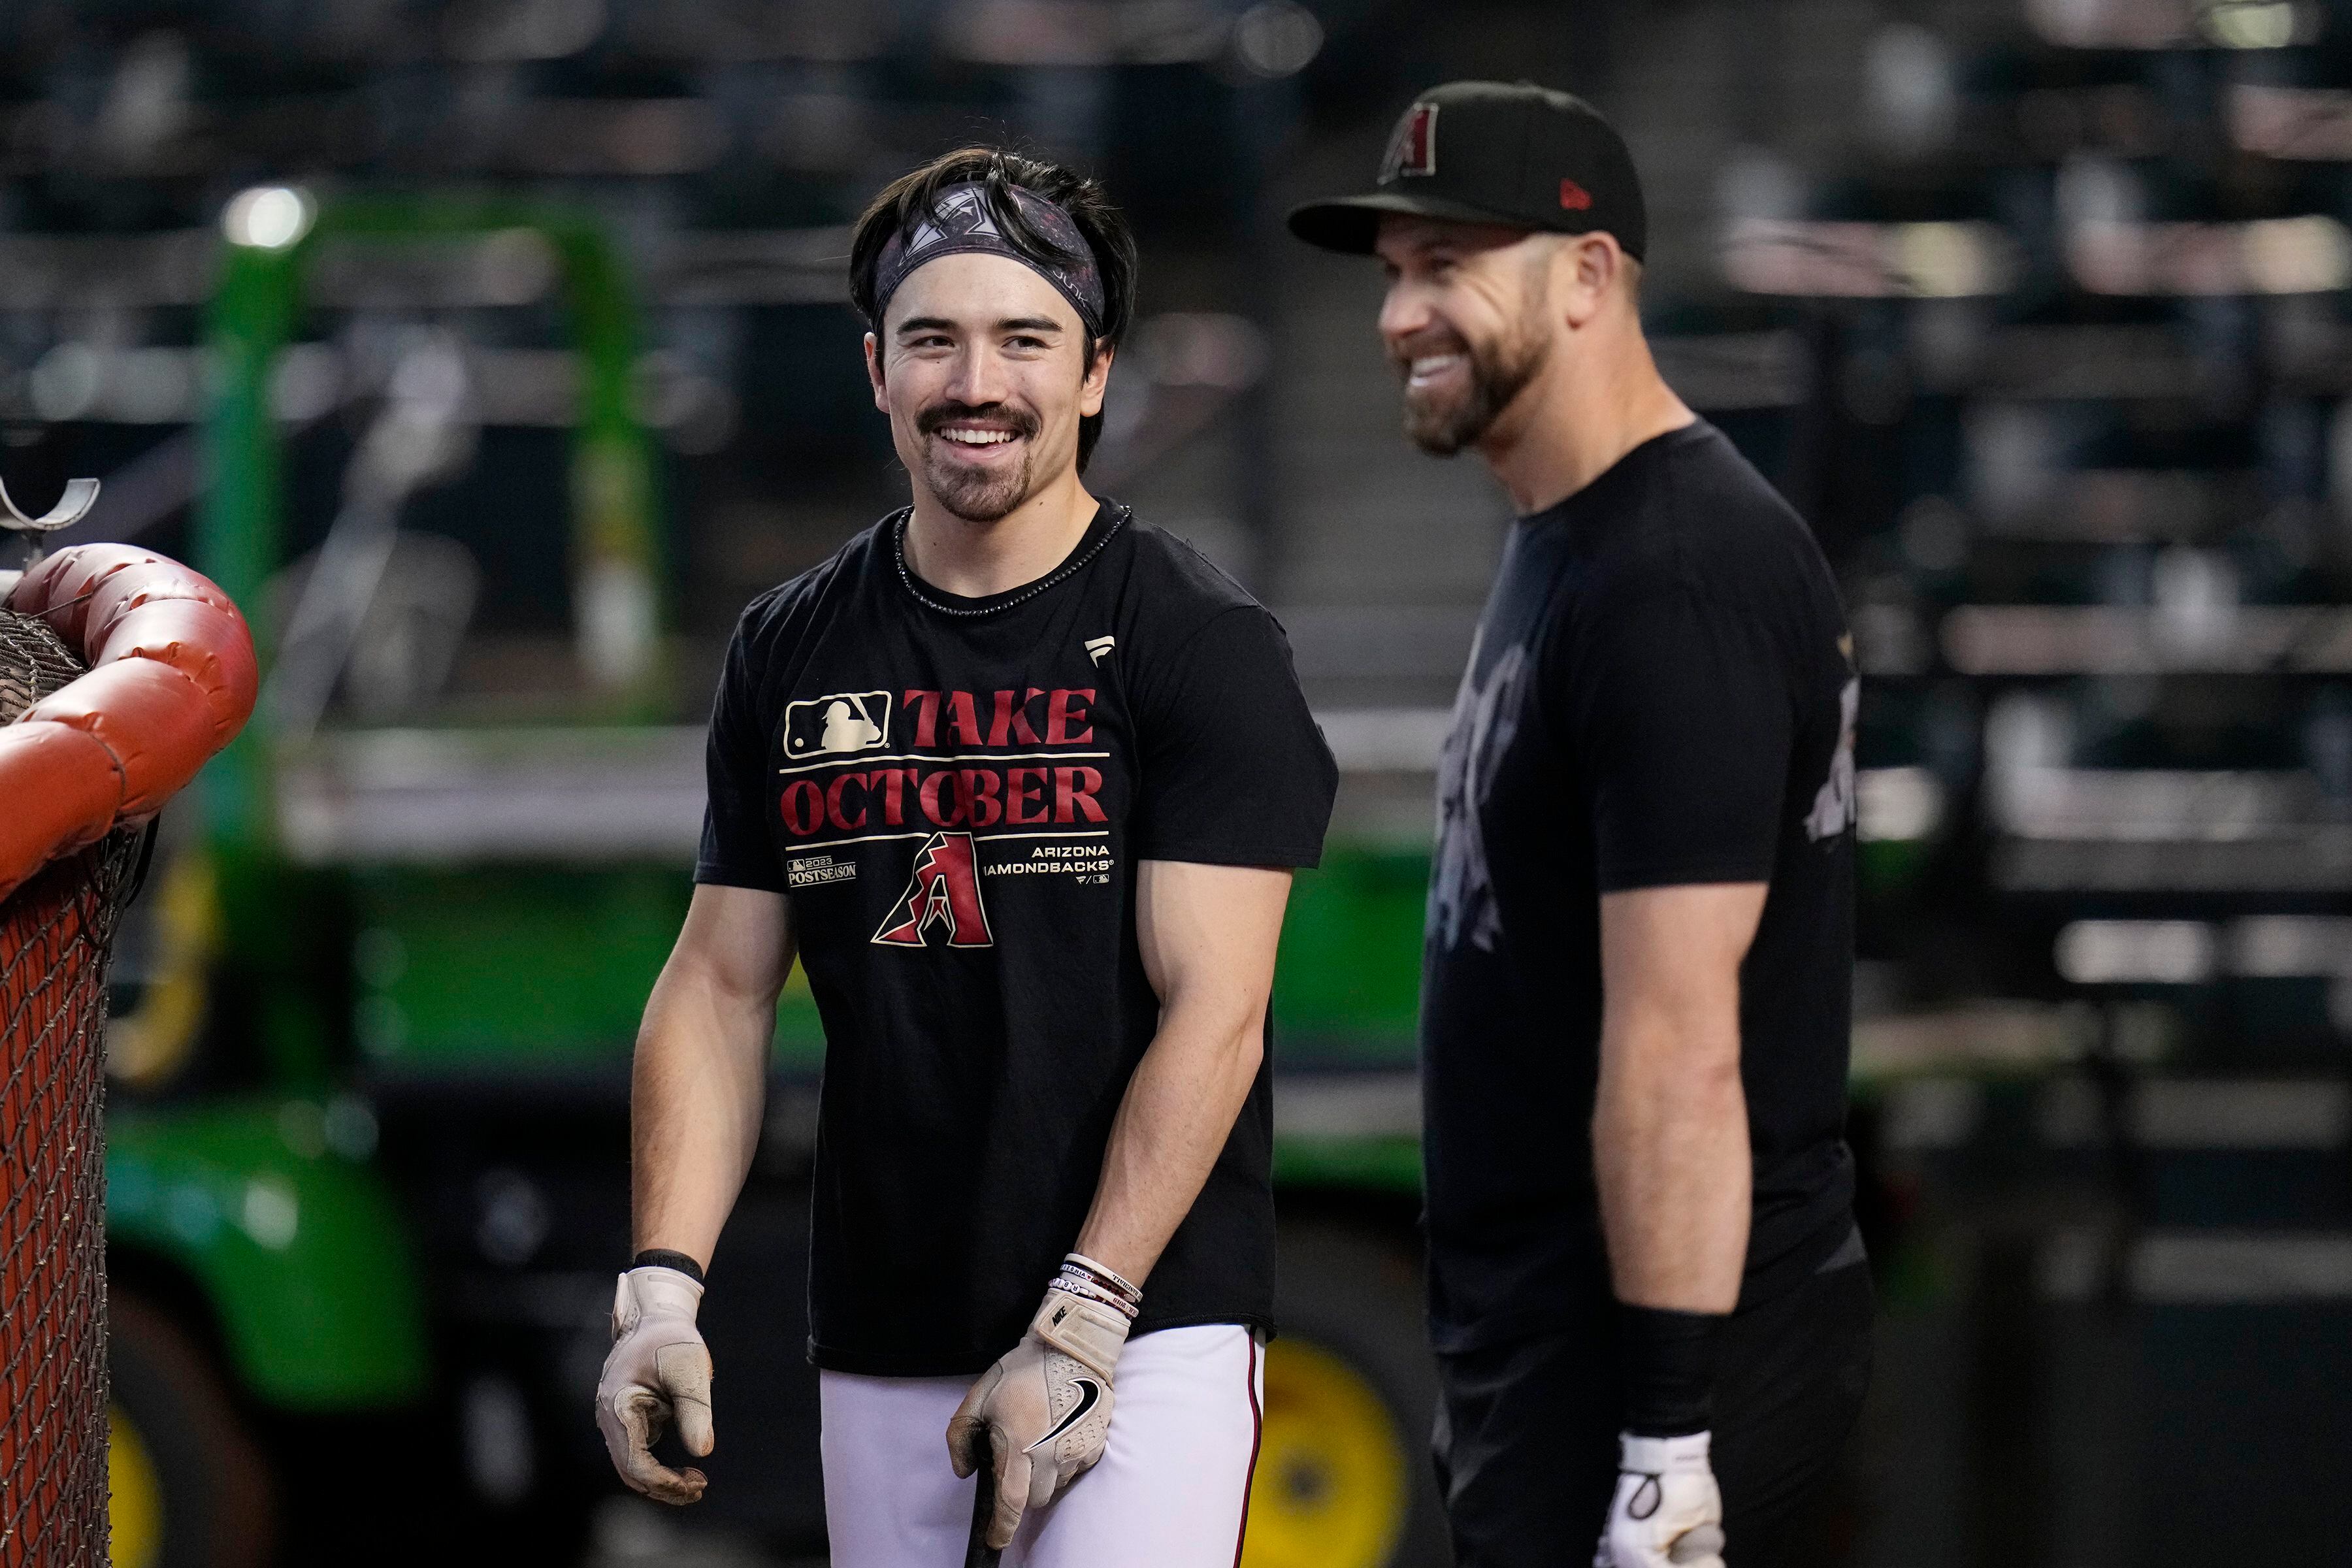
[(660, 1371), (1667, 1509), (1043, 1410)]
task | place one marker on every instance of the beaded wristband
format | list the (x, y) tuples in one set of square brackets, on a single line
[(1087, 1289), (1087, 1285), (1106, 1277)]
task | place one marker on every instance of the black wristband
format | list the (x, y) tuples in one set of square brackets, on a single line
[(663, 1258), (1668, 1358)]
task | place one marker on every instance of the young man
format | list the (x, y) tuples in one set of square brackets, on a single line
[(1021, 781), (1641, 918)]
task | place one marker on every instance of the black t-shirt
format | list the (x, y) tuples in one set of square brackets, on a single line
[(954, 796), (1662, 692)]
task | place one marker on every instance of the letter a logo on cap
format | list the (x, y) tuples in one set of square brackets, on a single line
[(1412, 150)]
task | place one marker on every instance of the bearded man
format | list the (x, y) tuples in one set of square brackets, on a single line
[(1022, 782), (1646, 1291)]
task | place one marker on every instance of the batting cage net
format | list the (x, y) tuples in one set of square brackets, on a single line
[(55, 934)]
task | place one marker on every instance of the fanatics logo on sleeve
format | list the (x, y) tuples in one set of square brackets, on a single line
[(943, 891), (1413, 148), (1098, 647), (830, 726)]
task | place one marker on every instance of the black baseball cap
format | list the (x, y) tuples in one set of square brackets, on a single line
[(1492, 152)]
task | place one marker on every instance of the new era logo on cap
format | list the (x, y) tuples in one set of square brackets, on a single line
[(1412, 150), (1574, 197)]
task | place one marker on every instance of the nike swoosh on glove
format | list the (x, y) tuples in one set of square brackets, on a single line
[(658, 1371), (1668, 1510), (1043, 1410)]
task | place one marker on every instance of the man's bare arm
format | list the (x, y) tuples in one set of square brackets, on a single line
[(700, 1076), (1208, 935), (1670, 1125)]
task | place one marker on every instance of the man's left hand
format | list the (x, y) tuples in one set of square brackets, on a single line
[(1668, 1513)]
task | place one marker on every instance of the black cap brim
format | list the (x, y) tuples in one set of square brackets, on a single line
[(1351, 223)]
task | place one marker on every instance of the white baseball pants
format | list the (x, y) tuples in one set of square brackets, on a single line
[(1171, 1490)]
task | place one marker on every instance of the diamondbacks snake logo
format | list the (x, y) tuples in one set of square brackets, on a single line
[(1834, 807), (1485, 720)]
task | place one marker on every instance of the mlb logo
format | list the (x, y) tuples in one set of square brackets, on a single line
[(1413, 148), (831, 726)]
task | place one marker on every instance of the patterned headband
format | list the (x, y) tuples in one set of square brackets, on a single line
[(963, 223)]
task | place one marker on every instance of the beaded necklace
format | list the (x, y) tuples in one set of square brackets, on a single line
[(1061, 574)]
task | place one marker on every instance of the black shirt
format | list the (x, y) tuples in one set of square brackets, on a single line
[(1661, 692), (954, 804)]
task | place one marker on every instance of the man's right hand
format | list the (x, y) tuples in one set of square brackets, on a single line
[(660, 1371)]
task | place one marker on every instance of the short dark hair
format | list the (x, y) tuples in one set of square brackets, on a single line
[(912, 199)]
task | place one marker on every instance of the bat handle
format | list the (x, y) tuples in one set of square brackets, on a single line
[(977, 1551)]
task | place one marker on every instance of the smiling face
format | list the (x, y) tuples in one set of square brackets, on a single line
[(1467, 322), (981, 364)]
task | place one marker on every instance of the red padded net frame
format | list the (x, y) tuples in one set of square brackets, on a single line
[(55, 933)]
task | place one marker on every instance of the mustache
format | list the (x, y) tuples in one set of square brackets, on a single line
[(1022, 422)]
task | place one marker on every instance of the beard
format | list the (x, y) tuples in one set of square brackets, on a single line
[(975, 496), (1441, 422)]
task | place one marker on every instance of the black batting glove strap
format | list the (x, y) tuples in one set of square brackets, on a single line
[(1669, 1360), (663, 1258)]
